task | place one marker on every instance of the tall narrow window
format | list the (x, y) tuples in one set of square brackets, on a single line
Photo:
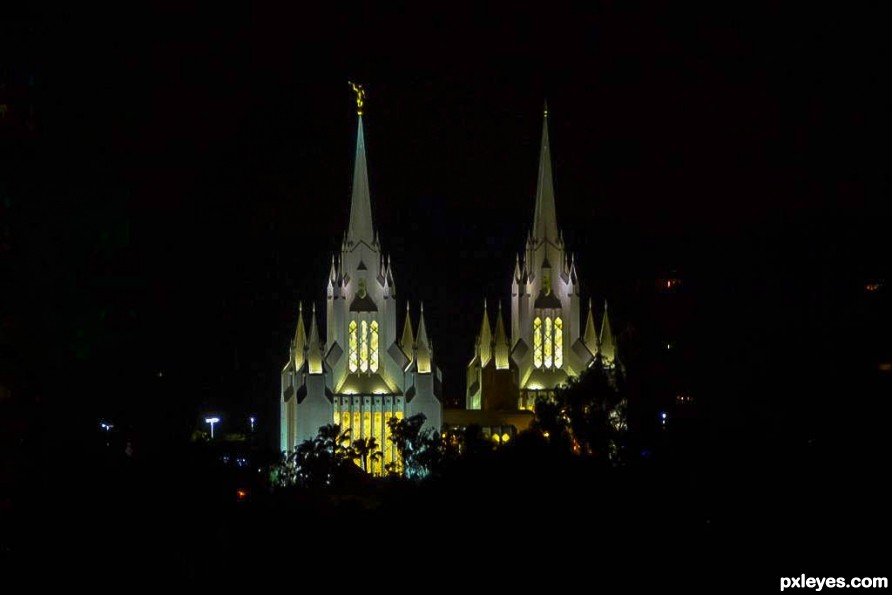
[(537, 342), (373, 340), (363, 346), (352, 344), (558, 342), (547, 342), (379, 439)]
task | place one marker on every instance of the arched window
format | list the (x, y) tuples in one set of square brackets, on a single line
[(558, 342), (537, 342), (373, 341), (352, 344), (363, 346), (547, 342)]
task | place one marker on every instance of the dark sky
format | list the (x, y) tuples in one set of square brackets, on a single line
[(189, 173)]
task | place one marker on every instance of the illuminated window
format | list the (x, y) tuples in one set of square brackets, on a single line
[(506, 437), (352, 342), (363, 346), (386, 444), (537, 342), (357, 425), (366, 424), (547, 342), (337, 417), (373, 364), (558, 342), (379, 439), (345, 418)]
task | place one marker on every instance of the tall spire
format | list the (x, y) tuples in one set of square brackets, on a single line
[(300, 339), (545, 219), (485, 338), (500, 349), (608, 346), (407, 339), (314, 347), (423, 354), (360, 229)]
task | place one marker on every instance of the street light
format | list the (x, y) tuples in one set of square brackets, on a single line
[(212, 421), (252, 419)]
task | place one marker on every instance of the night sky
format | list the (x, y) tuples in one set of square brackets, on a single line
[(188, 175)]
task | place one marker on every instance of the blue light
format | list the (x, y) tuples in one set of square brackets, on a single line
[(663, 415)]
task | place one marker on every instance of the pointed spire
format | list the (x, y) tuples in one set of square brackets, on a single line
[(314, 347), (590, 338), (517, 268), (608, 346), (360, 228), (423, 352), (300, 339), (484, 339), (390, 278), (500, 343), (545, 219), (333, 271), (407, 339)]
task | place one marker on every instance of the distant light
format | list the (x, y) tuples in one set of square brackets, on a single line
[(668, 345), (252, 419), (160, 374), (212, 421), (872, 287), (885, 367), (506, 437), (106, 426), (664, 415), (546, 434), (241, 495)]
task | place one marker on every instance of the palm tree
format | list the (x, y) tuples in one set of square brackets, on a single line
[(366, 449)]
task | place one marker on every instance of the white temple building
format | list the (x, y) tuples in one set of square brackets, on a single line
[(357, 371), (547, 345)]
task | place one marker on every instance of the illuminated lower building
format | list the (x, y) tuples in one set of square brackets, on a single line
[(547, 344), (361, 374)]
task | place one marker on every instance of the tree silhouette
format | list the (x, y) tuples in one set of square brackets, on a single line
[(419, 449), (588, 416)]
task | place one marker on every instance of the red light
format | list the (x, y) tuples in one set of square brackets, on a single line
[(241, 495)]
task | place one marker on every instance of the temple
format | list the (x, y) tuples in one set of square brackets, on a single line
[(356, 371)]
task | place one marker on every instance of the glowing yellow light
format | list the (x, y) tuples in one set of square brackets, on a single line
[(366, 424), (336, 418), (547, 342), (495, 438), (352, 346), (505, 437), (360, 96), (373, 364), (363, 346), (379, 438), (558, 342), (546, 434), (537, 342)]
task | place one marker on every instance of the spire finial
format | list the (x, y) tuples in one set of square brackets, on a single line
[(545, 111), (360, 96)]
